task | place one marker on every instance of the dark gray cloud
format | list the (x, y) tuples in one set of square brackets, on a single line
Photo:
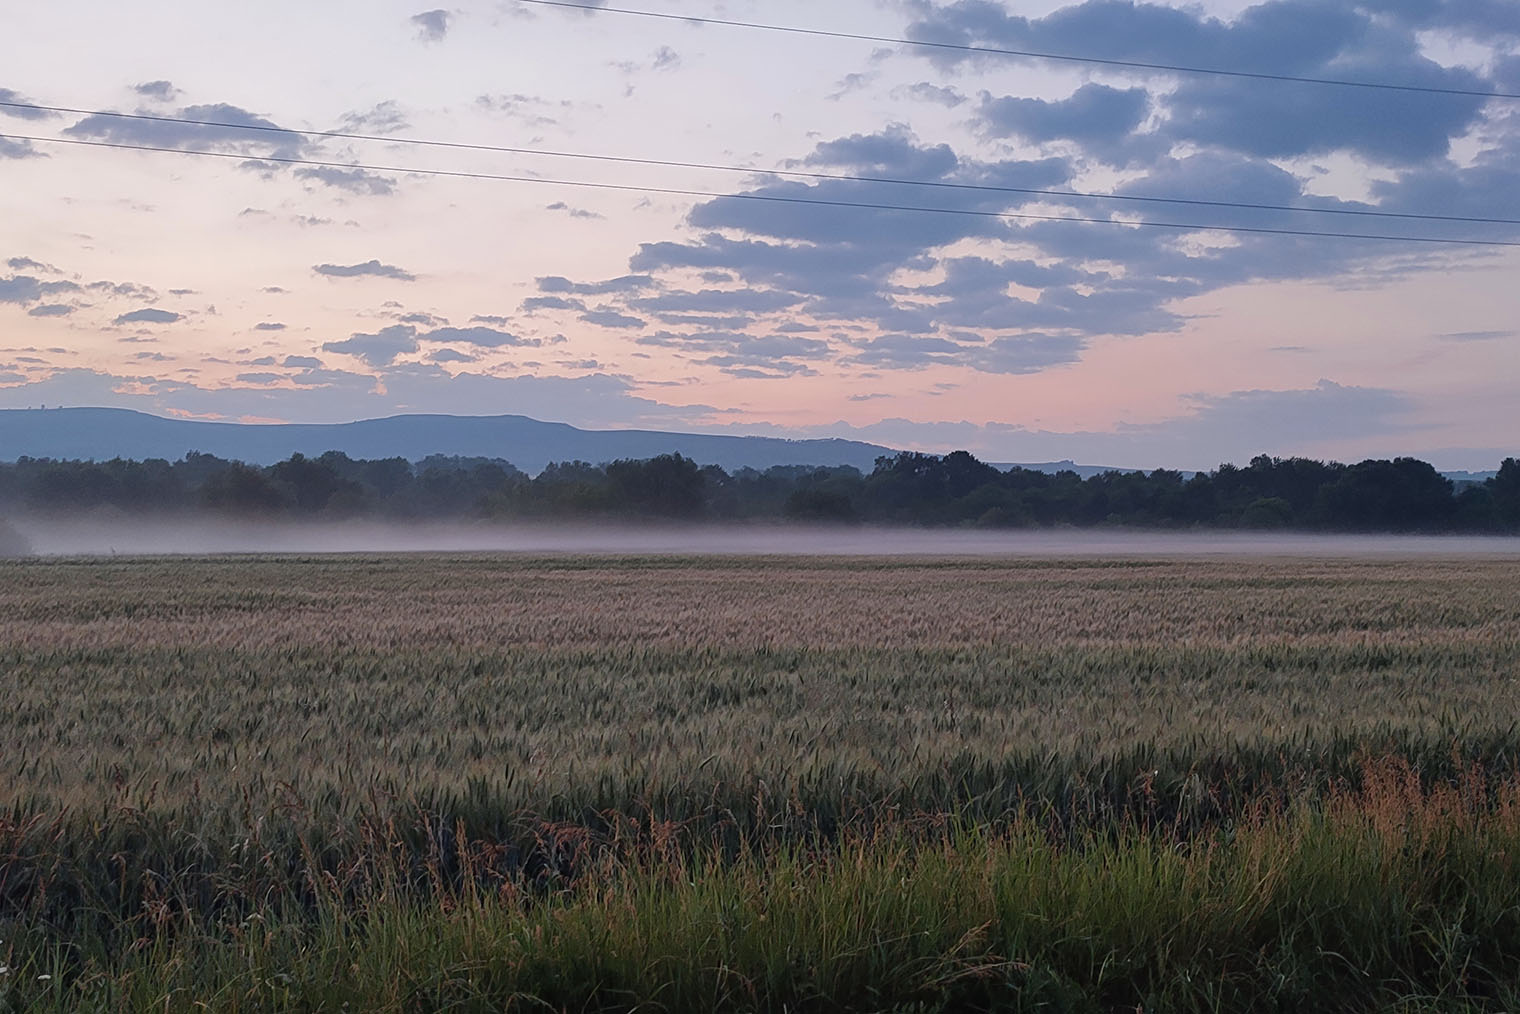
[(17, 149), (572, 212), (125, 290), (737, 322), (355, 181), (369, 269), (626, 283), (1101, 119), (1042, 289), (382, 118), (149, 315), (924, 91), (612, 319), (536, 303), (421, 319), (20, 289), (743, 355), (51, 310), (481, 337), (432, 26), (1477, 336), (718, 301), (6, 95), (529, 110), (387, 345), (379, 349), (269, 325), (25, 289), (27, 264), (1295, 37), (267, 139), (161, 91)]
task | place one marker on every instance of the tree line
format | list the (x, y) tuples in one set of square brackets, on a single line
[(1398, 495)]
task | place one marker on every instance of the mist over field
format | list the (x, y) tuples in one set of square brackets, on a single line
[(200, 536)]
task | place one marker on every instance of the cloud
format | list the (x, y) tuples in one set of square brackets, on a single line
[(11, 148), (421, 319), (149, 315), (355, 181), (849, 84), (612, 319), (743, 355), (1477, 336), (572, 212), (666, 58), (529, 110), (27, 264), (20, 289), (1278, 36), (372, 268), (1099, 117), (927, 92), (625, 283), (432, 26), (382, 118), (265, 138), (51, 310), (161, 91), (535, 303), (6, 95), (482, 337), (391, 343), (302, 363), (379, 349), (269, 325)]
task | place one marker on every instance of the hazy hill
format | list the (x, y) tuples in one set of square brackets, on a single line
[(99, 434)]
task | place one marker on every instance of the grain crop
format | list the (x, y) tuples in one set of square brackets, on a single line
[(354, 770)]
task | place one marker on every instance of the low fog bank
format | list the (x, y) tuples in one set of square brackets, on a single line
[(118, 537)]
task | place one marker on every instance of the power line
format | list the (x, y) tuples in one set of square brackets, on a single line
[(766, 198), (800, 174), (1031, 54)]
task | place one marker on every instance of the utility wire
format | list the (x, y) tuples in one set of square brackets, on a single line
[(1031, 54), (765, 198), (843, 177)]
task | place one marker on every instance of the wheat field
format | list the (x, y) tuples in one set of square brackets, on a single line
[(252, 783)]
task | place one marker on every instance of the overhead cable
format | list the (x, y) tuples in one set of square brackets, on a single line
[(766, 198), (1028, 53), (790, 173)]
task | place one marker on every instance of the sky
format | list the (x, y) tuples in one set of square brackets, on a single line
[(231, 278)]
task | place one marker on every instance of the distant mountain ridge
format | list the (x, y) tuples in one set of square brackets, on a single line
[(100, 434)]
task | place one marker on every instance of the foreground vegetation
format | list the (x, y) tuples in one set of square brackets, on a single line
[(479, 782), (1399, 495)]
